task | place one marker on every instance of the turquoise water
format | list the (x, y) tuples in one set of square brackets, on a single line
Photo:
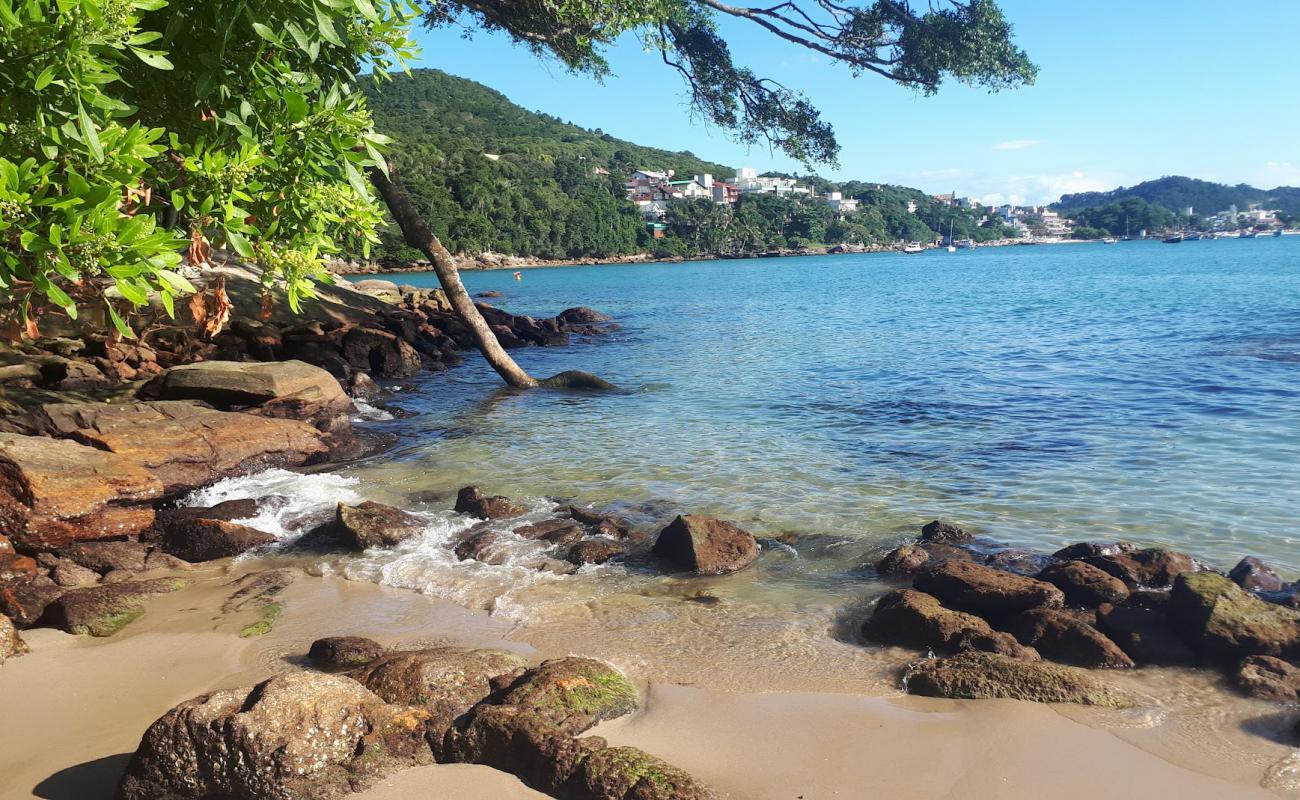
[(1039, 395)]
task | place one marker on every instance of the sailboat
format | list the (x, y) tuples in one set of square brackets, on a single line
[(952, 246)]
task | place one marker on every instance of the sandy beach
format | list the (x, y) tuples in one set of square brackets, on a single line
[(76, 707)]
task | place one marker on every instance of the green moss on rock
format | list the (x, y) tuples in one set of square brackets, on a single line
[(574, 693), (266, 618), (1222, 621), (982, 676), (618, 772)]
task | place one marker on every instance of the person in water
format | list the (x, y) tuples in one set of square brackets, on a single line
[(519, 276)]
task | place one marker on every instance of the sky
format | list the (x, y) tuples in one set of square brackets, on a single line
[(1126, 92)]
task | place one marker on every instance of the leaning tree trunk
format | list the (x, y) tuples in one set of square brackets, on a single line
[(417, 234)]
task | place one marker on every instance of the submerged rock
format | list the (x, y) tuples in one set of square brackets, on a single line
[(472, 501), (445, 681), (1155, 566), (705, 545), (944, 532), (594, 551), (104, 610), (1093, 549), (582, 316), (983, 676), (573, 693), (295, 736), (975, 587), (914, 619), (553, 530), (903, 560), (1144, 633), (1021, 562), (1223, 621), (1269, 678), (344, 652), (1083, 584), (1252, 574), (1062, 636), (481, 547), (372, 524), (197, 540)]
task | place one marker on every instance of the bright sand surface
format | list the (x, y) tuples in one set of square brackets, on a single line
[(74, 709)]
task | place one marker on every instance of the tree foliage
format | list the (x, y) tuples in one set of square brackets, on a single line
[(1176, 193)]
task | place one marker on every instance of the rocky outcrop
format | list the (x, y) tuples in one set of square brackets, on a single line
[(471, 500), (982, 676), (11, 644), (240, 384), (25, 603), (295, 736), (344, 652), (1155, 566), (903, 560), (559, 531), (914, 619), (197, 540), (444, 681), (106, 557), (1083, 584), (615, 773), (106, 609), (1224, 622), (1093, 550), (573, 693), (372, 524), (1269, 678), (944, 532), (706, 546), (1144, 634), (594, 551), (1064, 637), (1253, 575), (975, 587)]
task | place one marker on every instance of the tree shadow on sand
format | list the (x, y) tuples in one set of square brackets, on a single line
[(93, 780)]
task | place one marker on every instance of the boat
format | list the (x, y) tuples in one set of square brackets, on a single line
[(952, 247), (1174, 239), (1247, 235), (1109, 240), (913, 248), (1277, 232), (1192, 237), (966, 244)]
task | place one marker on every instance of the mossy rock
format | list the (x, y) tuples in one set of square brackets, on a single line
[(106, 609), (1224, 622), (447, 681), (614, 773), (983, 676), (265, 621), (574, 693)]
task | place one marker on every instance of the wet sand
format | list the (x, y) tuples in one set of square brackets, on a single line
[(74, 709)]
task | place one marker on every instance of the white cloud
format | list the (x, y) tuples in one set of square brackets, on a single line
[(1016, 144), (1038, 189)]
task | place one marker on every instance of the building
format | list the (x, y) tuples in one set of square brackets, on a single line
[(841, 205), (749, 181)]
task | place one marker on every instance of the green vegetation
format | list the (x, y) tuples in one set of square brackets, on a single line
[(266, 617), (1176, 194), (1127, 216)]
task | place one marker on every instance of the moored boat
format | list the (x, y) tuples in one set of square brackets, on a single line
[(1176, 239)]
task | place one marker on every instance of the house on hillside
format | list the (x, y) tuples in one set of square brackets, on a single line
[(841, 205), (748, 180)]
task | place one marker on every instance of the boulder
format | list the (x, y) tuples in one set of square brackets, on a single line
[(1253, 575), (196, 540), (237, 384), (581, 316), (344, 652), (903, 560), (481, 547), (11, 644), (594, 551), (523, 743), (68, 573), (55, 492), (981, 676), (372, 524), (985, 590), (106, 557), (573, 693), (295, 736), (705, 545), (16, 569), (380, 353), (555, 530), (1093, 549), (1021, 562), (106, 609), (444, 681), (914, 619), (1144, 633), (1269, 678), (615, 773), (472, 501), (24, 603), (944, 532), (1083, 584), (1223, 621), (227, 510), (1062, 636), (1154, 566), (587, 516), (1288, 595)]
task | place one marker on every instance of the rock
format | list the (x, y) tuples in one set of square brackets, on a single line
[(295, 736), (522, 743), (903, 560), (227, 510), (104, 610), (1083, 584), (106, 557), (1288, 595), (157, 559), (1252, 574), (586, 516), (380, 353), (236, 384), (944, 532), (1061, 636), (974, 587), (372, 524), (1222, 621), (24, 603), (1154, 566), (444, 681), (613, 773), (11, 644), (197, 540), (490, 294), (983, 676), (16, 569), (573, 693), (550, 529), (1143, 633), (1269, 678), (71, 575), (705, 545), (914, 619), (581, 316), (1021, 562), (481, 547), (594, 551), (6, 546), (344, 652), (1093, 549), (55, 492), (472, 501)]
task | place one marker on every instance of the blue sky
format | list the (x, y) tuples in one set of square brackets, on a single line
[(1127, 91)]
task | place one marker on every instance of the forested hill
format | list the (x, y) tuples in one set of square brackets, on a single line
[(1177, 193)]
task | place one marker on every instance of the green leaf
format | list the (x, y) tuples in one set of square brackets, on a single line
[(296, 105), (89, 134), (240, 244), (44, 78), (267, 34), (60, 298), (178, 200), (118, 322), (149, 5), (326, 27), (176, 281), (153, 58), (144, 37)]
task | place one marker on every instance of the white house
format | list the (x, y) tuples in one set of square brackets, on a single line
[(840, 204), (748, 180)]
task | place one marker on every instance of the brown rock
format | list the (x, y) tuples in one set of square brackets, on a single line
[(974, 587), (1252, 574), (1021, 562), (1143, 633), (523, 743), (237, 384), (71, 575), (1154, 566), (472, 501), (344, 652), (1223, 621), (481, 547), (944, 532), (196, 540), (1083, 584), (445, 681), (295, 736), (228, 511), (6, 546), (24, 603), (105, 557), (980, 676), (1061, 636), (613, 773), (11, 644), (581, 316), (372, 524), (104, 610), (1092, 549), (705, 545), (573, 693), (914, 619), (594, 551), (555, 530), (1269, 678), (381, 353), (16, 569), (903, 560)]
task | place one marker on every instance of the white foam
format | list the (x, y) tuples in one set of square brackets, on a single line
[(299, 497), (369, 413)]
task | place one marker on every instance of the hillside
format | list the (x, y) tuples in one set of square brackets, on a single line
[(1176, 193)]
